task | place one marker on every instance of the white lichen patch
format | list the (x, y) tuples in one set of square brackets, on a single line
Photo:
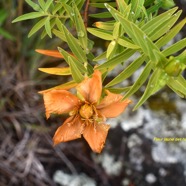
[(73, 180), (125, 182), (162, 172), (171, 131), (136, 156), (129, 120), (134, 141), (150, 178), (108, 162), (133, 121)]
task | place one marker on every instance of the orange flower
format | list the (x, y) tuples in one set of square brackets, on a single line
[(87, 115)]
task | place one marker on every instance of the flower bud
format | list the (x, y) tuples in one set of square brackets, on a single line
[(167, 4), (174, 67)]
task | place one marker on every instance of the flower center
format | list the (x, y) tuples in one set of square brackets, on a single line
[(86, 111)]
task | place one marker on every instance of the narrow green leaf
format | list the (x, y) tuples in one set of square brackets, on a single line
[(178, 86), (165, 27), (111, 49), (31, 15), (76, 74), (57, 71), (181, 80), (113, 11), (101, 15), (117, 30), (161, 60), (102, 56), (127, 12), (157, 20), (90, 69), (175, 47), (52, 24), (90, 56), (144, 42), (176, 91), (47, 5), (136, 7), (118, 90), (141, 79), (42, 4), (59, 34), (80, 27), (110, 64), (43, 34), (74, 46), (90, 47), (100, 1), (6, 34), (57, 7), (128, 71), (48, 27), (37, 26), (59, 25), (171, 34), (33, 5), (69, 11), (139, 37), (66, 55), (124, 42), (65, 86), (103, 34), (154, 8), (104, 75), (79, 4), (122, 6), (157, 80), (3, 15), (148, 3), (101, 5), (144, 16), (182, 57)]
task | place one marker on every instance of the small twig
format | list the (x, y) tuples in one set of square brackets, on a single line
[(20, 7), (63, 157), (117, 4), (28, 163), (17, 127), (86, 13)]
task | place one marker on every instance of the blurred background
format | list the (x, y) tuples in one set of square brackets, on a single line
[(131, 156)]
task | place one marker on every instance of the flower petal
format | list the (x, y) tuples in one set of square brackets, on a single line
[(59, 102), (112, 106), (91, 88), (71, 129), (95, 135)]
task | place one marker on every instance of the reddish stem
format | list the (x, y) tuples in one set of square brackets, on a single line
[(117, 4), (86, 13)]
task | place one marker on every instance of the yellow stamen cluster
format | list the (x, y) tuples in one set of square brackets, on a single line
[(86, 111)]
